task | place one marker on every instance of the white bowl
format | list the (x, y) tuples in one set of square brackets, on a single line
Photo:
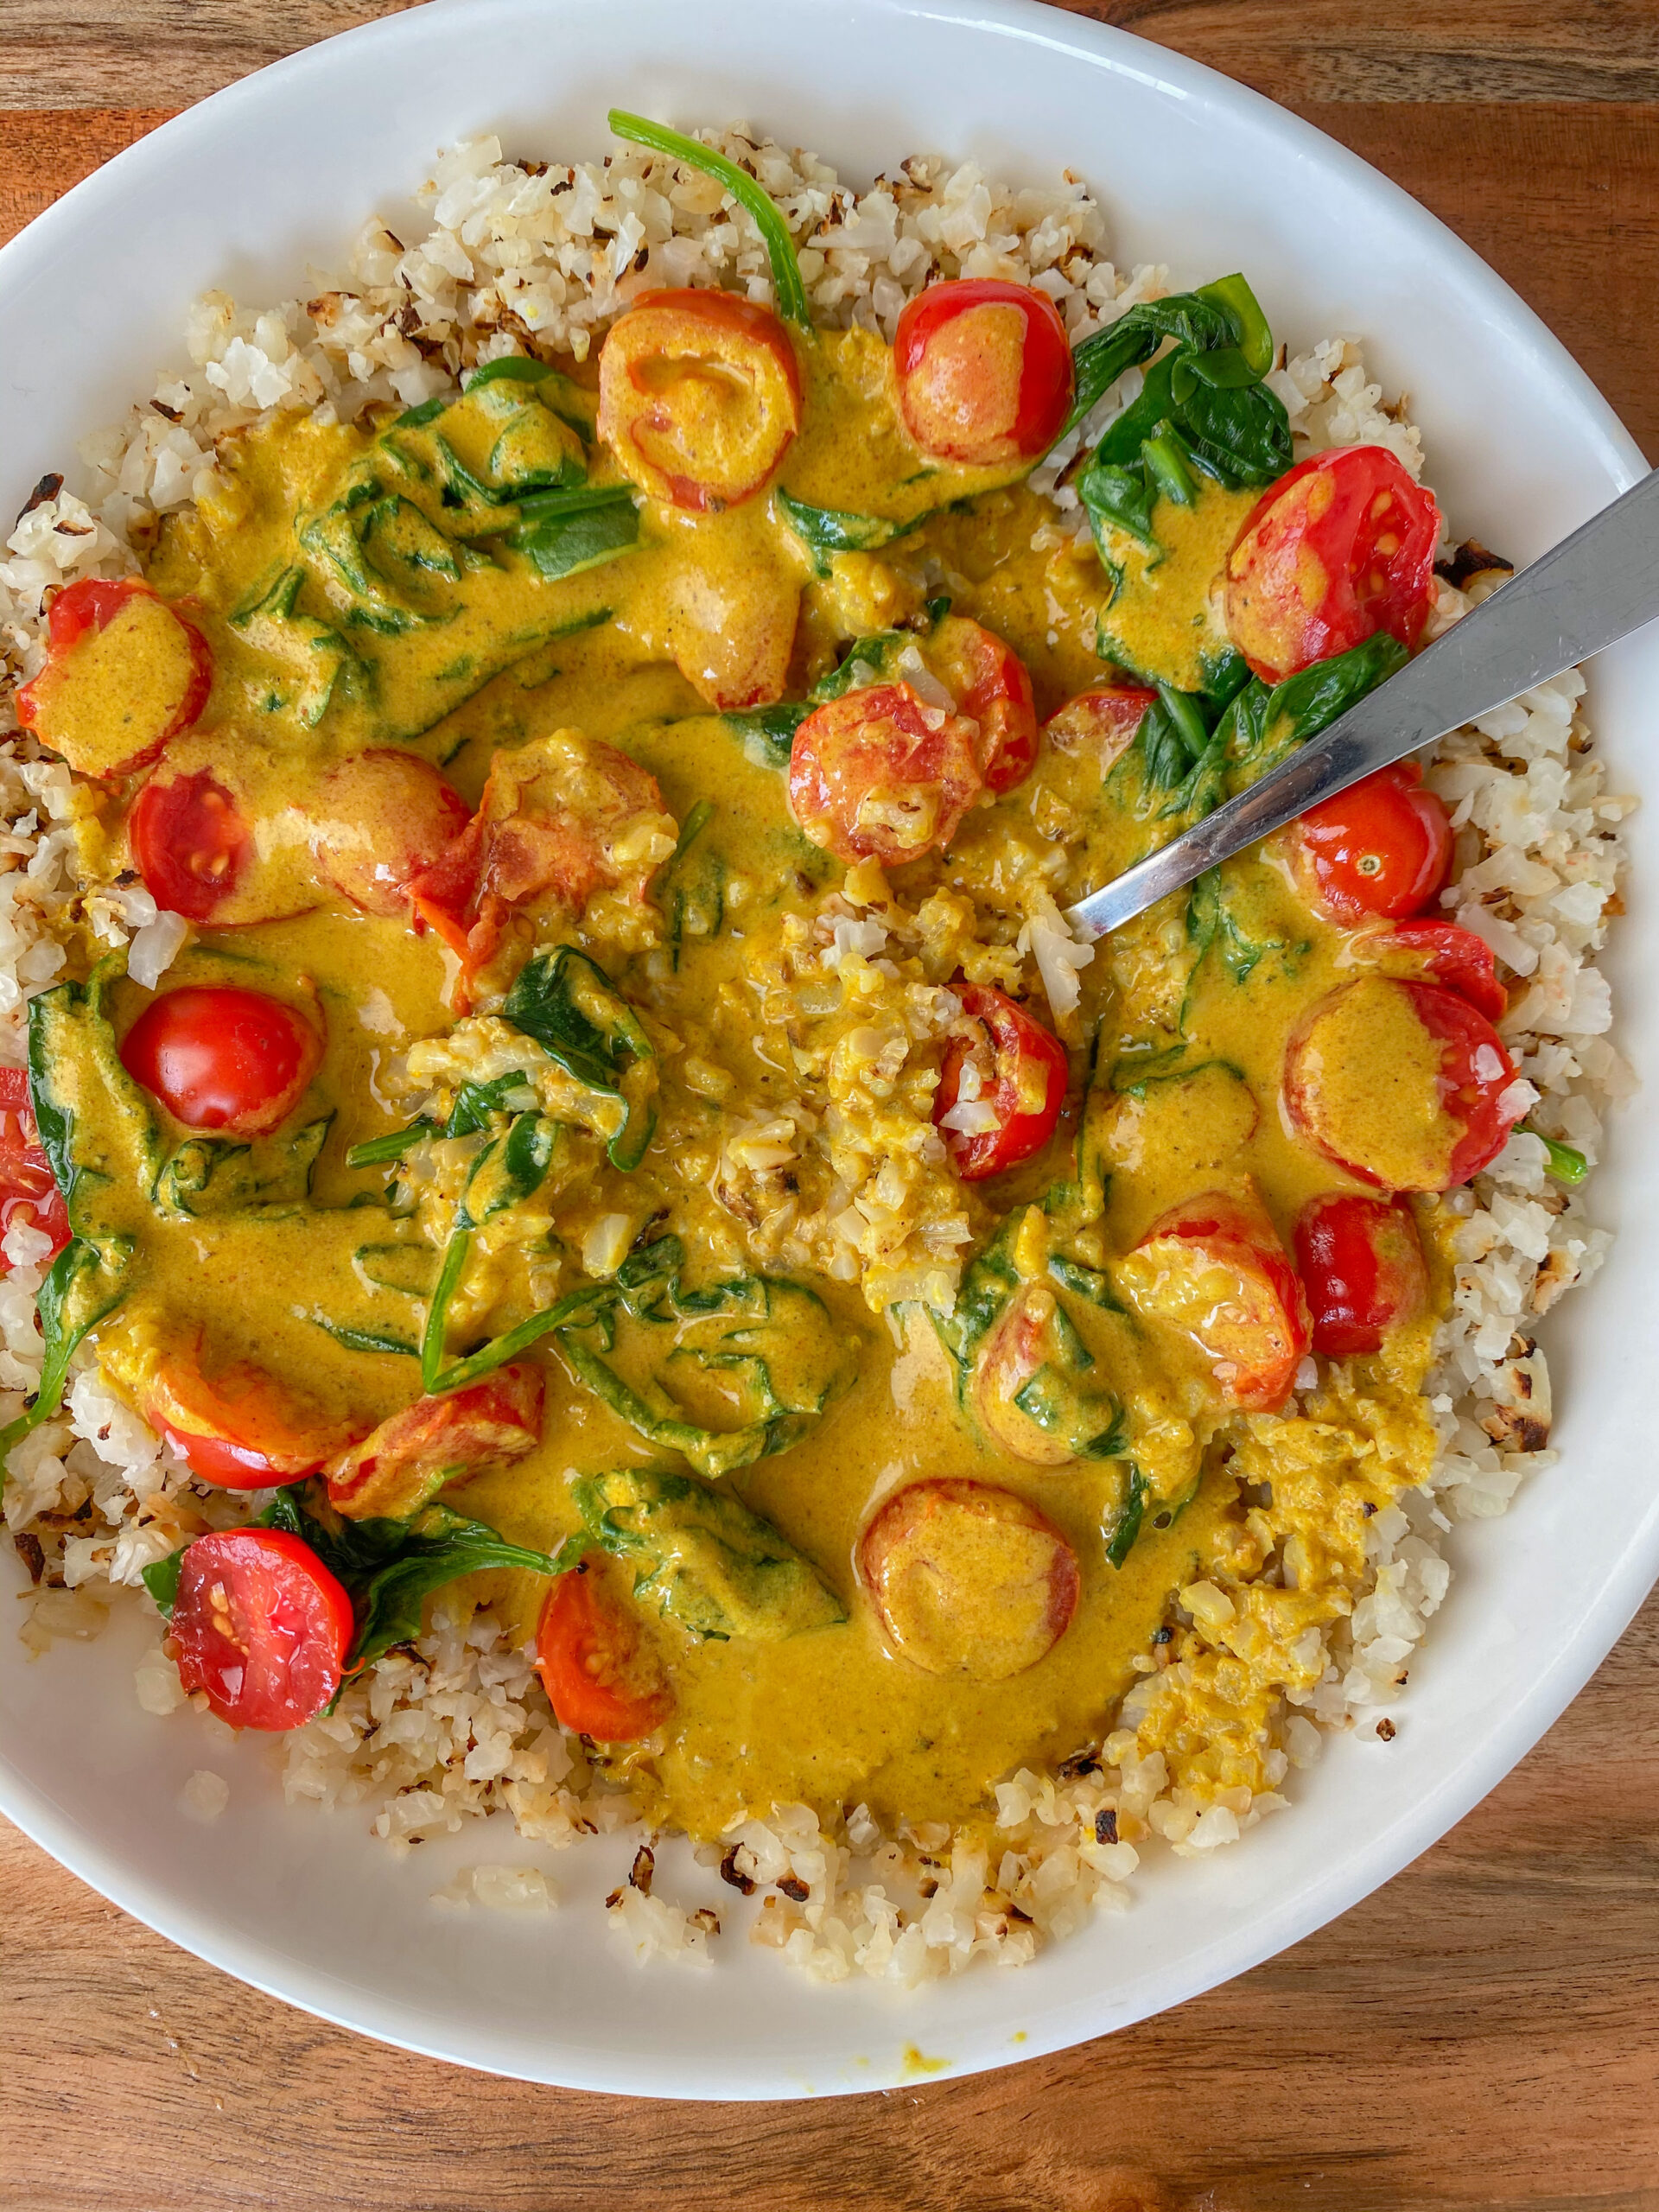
[(242, 192)]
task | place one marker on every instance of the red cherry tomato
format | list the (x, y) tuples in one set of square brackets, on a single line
[(221, 1058), (1362, 1266), (1351, 1087), (1382, 847), (1342, 546), (27, 1193), (110, 709), (1443, 953), (878, 775), (699, 396), (984, 372), (410, 1457), (380, 818), (1216, 1269), (990, 682), (190, 843), (239, 1428), (1101, 721), (1026, 1088), (603, 1674), (262, 1626)]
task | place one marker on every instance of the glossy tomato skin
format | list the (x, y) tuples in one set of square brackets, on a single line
[(82, 610), (1382, 847), (1215, 1268), (28, 1191), (984, 370), (219, 1056), (1103, 721), (189, 843), (381, 817), (415, 1452), (1360, 1261), (1475, 1071), (991, 685), (601, 1675), (1026, 1091), (879, 775), (1447, 954), (1341, 547), (261, 1627), (699, 396), (238, 1427)]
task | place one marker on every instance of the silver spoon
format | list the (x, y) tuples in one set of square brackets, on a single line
[(1586, 593)]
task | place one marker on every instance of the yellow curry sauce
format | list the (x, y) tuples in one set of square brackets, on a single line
[(795, 1014)]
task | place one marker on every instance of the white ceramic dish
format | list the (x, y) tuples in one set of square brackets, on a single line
[(242, 192)]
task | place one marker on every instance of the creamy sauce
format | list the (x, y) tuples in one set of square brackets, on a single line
[(455, 652)]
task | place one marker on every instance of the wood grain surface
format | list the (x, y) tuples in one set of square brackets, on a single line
[(1482, 2033)]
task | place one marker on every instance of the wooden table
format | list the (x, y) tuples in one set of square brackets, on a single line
[(1484, 2032)]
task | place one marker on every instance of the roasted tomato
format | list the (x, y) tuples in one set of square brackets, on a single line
[(699, 396), (989, 683), (1215, 1268), (1382, 847), (1000, 1092), (238, 1427), (1402, 1083), (879, 775), (380, 818), (599, 1661), (1342, 546), (968, 1578), (261, 1626), (124, 672), (1018, 1348), (1101, 721), (27, 1193), (984, 372), (219, 1057), (190, 842), (562, 820), (1362, 1267), (1439, 952), (409, 1457)]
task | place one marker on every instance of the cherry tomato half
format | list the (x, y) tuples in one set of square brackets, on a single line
[(1025, 1091), (1440, 952), (189, 843), (124, 673), (1342, 546), (990, 685), (1382, 847), (262, 1626), (1101, 721), (699, 396), (219, 1057), (380, 818), (410, 1457), (28, 1191), (879, 775), (968, 1578), (603, 1676), (1216, 1269), (238, 1427), (1401, 1082), (1018, 1348), (1362, 1267), (984, 370)]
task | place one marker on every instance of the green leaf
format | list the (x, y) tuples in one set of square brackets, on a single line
[(768, 733), (1565, 1163), (570, 1006), (355, 1340), (826, 531), (866, 660), (161, 1579), (1263, 723), (786, 283), (85, 1284), (437, 1549), (1219, 318), (703, 1558), (1126, 1525), (395, 1144), (584, 530)]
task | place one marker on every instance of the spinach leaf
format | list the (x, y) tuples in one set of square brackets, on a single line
[(395, 1145), (1222, 322), (565, 533), (866, 660), (788, 289), (826, 531), (768, 733), (1126, 1525), (313, 653), (353, 1339), (570, 1006), (1264, 723), (703, 1558), (1566, 1164), (161, 1579), (85, 1283)]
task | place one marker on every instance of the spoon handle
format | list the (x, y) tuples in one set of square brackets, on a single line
[(1586, 593)]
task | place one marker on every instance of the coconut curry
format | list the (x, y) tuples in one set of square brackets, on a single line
[(628, 1122)]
